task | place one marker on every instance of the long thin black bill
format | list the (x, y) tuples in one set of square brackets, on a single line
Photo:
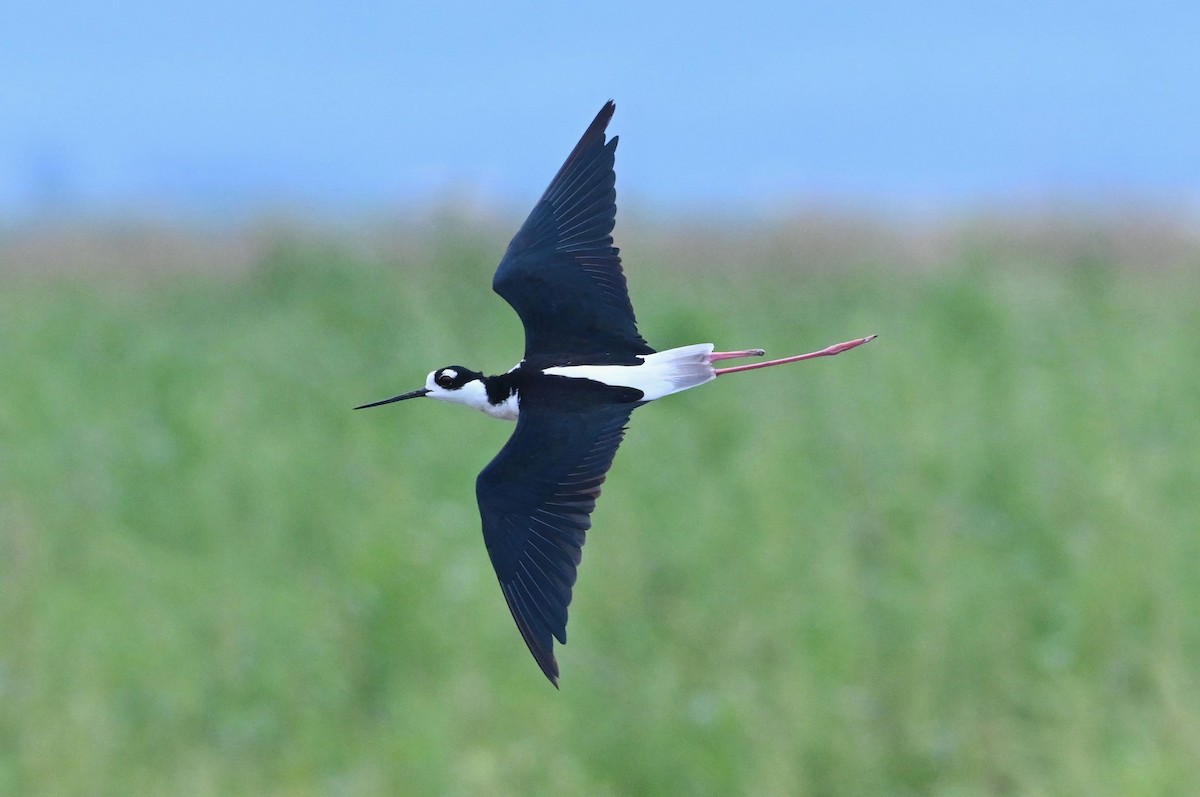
[(401, 397)]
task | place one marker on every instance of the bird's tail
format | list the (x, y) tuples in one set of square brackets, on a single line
[(680, 369)]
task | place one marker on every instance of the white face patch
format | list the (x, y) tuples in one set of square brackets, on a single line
[(473, 394)]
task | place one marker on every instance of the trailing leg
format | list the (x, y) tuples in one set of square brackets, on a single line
[(829, 351)]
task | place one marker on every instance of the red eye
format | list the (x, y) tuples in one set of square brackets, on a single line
[(444, 380)]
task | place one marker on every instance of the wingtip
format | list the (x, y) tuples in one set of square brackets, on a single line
[(542, 650), (549, 668), (602, 118)]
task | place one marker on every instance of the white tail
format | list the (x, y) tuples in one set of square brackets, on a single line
[(678, 369)]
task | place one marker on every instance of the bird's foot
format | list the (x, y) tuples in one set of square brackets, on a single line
[(733, 355)]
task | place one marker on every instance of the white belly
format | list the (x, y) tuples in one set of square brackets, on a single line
[(659, 374)]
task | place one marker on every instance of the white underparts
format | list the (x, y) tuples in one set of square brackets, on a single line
[(659, 374)]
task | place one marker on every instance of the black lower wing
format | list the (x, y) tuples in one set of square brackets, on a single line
[(536, 498)]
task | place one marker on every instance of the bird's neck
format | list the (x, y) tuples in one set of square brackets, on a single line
[(495, 396), (500, 387)]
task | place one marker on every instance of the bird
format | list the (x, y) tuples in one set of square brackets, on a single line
[(585, 369)]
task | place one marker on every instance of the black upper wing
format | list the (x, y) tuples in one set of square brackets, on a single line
[(561, 272), (537, 495)]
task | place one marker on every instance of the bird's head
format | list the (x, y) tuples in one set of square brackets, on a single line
[(453, 383)]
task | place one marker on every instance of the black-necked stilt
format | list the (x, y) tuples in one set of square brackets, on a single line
[(585, 370)]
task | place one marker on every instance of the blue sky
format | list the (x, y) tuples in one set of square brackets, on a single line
[(235, 106)]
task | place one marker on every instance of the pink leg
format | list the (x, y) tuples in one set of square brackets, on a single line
[(837, 348), (733, 355)]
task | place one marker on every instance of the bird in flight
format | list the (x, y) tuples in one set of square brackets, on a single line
[(585, 369)]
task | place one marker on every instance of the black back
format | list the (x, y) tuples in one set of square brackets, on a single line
[(537, 495), (561, 272)]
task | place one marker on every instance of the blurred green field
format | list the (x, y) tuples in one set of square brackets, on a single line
[(963, 560)]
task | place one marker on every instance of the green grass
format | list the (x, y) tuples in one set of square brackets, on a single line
[(963, 560)]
